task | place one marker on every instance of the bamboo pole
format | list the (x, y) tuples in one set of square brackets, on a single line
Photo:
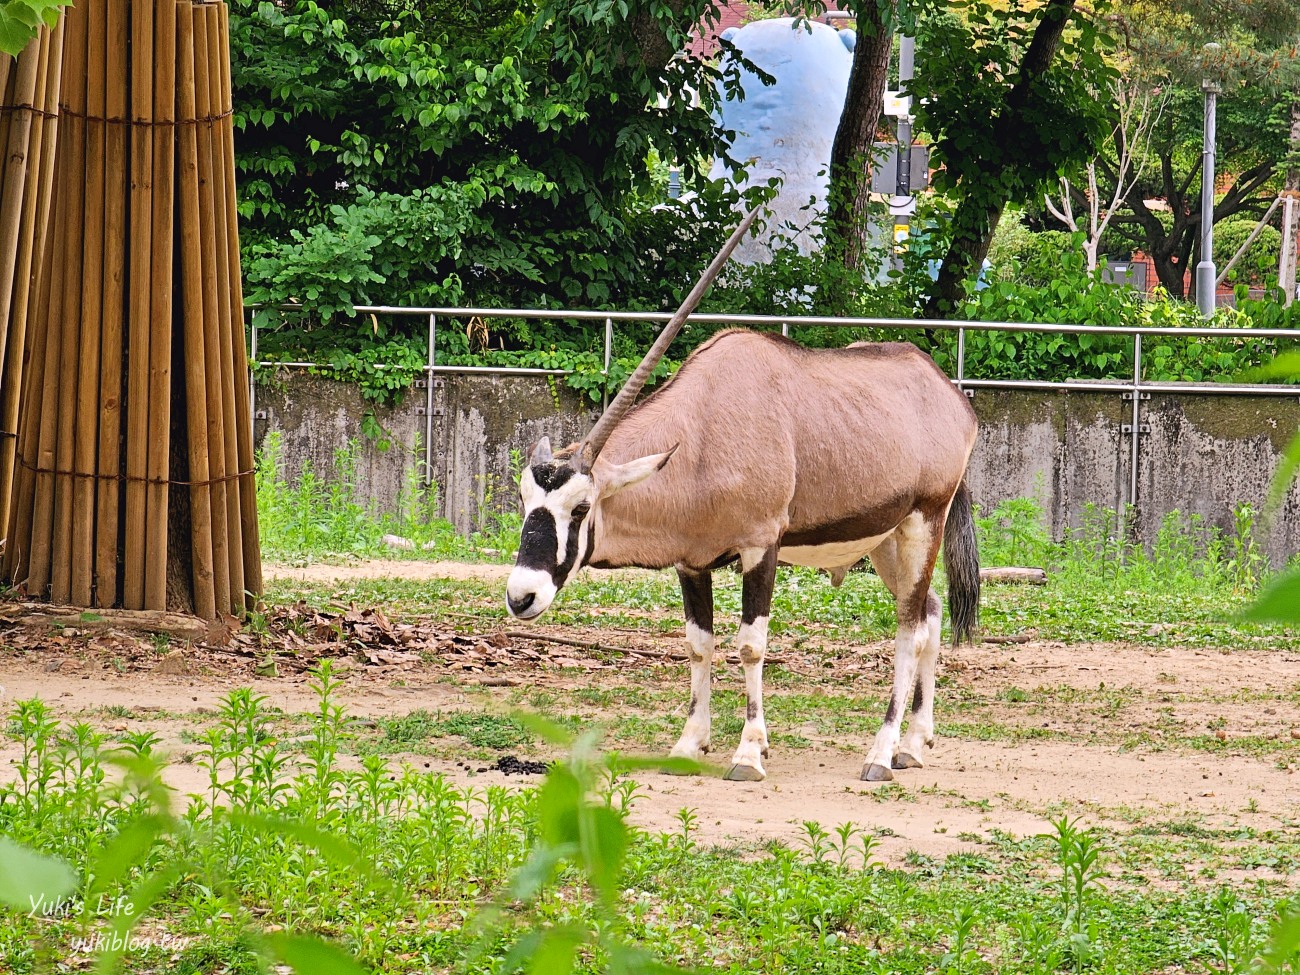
[(192, 273), (216, 458), (34, 514), (15, 180), (32, 234), (72, 194), (223, 326), (137, 396), (92, 290), (8, 80), (17, 556), (110, 372), (161, 311), (243, 409)]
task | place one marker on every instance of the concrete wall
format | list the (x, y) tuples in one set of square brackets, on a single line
[(1203, 454)]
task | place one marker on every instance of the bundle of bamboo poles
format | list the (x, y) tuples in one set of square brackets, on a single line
[(135, 483), (29, 103)]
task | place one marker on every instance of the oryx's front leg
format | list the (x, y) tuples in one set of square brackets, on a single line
[(759, 568), (697, 600)]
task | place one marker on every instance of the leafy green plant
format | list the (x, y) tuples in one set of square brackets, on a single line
[(1079, 857), (20, 20)]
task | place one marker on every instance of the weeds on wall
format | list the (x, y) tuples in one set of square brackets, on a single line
[(320, 515), (1186, 553)]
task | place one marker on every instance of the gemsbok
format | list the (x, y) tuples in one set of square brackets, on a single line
[(763, 452)]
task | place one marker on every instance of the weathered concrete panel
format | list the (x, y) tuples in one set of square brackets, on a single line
[(1203, 454), (1208, 454), (1065, 449), (485, 420), (318, 417), (478, 422)]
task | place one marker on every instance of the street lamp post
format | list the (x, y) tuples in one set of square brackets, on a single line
[(1205, 270)]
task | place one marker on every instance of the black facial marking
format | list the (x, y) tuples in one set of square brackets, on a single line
[(561, 571), (538, 541), (550, 476)]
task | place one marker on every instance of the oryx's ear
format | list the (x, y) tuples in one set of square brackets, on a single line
[(619, 476), (540, 452)]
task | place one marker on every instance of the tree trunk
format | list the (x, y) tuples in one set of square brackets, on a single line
[(850, 171), (976, 218), (1286, 277)]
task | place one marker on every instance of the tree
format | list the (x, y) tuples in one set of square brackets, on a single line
[(439, 154), (1139, 110), (1161, 44), (852, 150), (1010, 109)]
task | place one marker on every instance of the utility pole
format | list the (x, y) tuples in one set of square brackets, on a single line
[(902, 206), (1205, 272)]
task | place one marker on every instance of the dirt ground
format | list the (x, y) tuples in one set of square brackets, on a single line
[(969, 787)]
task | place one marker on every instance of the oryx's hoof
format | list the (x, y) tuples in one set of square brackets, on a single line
[(904, 760), (744, 773), (877, 773)]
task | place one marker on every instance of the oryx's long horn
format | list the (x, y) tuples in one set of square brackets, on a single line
[(591, 446)]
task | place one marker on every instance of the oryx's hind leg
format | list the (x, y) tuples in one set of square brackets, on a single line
[(759, 568), (697, 600), (905, 561), (920, 724)]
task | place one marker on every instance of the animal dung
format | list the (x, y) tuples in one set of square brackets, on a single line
[(132, 470)]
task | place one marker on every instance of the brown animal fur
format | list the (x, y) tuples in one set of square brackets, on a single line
[(776, 443)]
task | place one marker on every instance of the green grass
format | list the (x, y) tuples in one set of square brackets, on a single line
[(401, 868)]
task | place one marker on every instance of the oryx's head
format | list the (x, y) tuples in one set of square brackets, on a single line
[(559, 494)]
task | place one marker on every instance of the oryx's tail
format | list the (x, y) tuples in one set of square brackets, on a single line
[(961, 560)]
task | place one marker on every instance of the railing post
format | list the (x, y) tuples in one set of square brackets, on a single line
[(428, 400), (1136, 425), (785, 329), (961, 355), (609, 351)]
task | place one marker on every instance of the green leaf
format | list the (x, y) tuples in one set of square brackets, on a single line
[(313, 956), (1287, 468), (1279, 602), (554, 953), (30, 880), (125, 915), (604, 848), (545, 729), (541, 866), (125, 850), (558, 803)]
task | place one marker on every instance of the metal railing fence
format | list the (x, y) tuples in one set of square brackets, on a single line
[(1134, 389)]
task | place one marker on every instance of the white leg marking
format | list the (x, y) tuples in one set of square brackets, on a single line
[(886, 743), (695, 740), (751, 643), (920, 726)]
